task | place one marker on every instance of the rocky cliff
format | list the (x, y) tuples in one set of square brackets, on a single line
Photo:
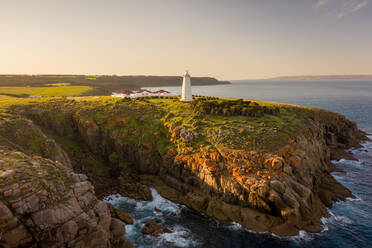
[(44, 204), (282, 191), (263, 165)]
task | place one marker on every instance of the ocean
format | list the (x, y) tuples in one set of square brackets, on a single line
[(350, 224)]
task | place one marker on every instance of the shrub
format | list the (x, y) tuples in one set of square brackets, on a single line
[(208, 105)]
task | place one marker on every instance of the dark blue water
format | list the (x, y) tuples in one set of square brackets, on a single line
[(351, 221)]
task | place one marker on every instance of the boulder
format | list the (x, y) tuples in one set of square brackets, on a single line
[(154, 229), (119, 214), (187, 136), (130, 186)]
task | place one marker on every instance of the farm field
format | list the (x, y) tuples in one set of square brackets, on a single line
[(45, 91)]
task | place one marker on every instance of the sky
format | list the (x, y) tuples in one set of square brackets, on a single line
[(226, 39)]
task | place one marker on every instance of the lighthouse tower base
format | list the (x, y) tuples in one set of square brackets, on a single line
[(186, 88)]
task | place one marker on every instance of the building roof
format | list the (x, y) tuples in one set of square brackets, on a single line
[(141, 92), (125, 92), (160, 91)]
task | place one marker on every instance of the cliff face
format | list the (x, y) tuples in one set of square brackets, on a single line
[(281, 192), (45, 204), (282, 186), (21, 134)]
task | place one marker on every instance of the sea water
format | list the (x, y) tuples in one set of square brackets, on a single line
[(350, 224)]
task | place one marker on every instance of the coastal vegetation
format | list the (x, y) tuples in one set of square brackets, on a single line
[(211, 122)]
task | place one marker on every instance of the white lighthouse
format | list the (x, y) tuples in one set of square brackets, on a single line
[(186, 88)]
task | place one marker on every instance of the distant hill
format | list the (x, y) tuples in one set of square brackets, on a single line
[(105, 84), (323, 77)]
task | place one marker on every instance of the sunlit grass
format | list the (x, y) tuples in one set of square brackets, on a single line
[(147, 118), (267, 132), (59, 84), (57, 90)]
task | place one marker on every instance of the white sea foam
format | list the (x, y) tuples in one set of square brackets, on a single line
[(338, 177), (234, 226), (343, 219), (180, 237), (366, 146), (357, 198), (131, 230), (324, 222), (363, 153), (348, 162), (164, 204), (339, 218), (302, 235), (158, 201)]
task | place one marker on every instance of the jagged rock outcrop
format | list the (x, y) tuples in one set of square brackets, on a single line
[(119, 214), (154, 229), (44, 204), (131, 186)]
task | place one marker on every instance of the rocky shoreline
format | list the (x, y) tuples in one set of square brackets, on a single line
[(281, 191)]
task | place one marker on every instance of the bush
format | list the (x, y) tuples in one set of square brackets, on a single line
[(208, 105)]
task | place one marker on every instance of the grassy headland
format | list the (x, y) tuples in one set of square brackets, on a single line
[(209, 122)]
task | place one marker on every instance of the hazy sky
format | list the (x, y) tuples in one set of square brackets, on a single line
[(230, 39)]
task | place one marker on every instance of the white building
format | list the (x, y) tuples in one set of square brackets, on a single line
[(141, 93), (186, 88)]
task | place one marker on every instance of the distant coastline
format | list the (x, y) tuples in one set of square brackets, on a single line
[(314, 78), (103, 84)]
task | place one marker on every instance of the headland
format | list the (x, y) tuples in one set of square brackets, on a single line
[(261, 164)]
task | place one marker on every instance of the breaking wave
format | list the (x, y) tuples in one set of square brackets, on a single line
[(159, 210)]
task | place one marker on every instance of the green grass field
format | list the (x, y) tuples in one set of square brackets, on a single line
[(58, 90)]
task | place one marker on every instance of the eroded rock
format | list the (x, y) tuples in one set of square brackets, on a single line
[(119, 214), (57, 208), (154, 229)]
